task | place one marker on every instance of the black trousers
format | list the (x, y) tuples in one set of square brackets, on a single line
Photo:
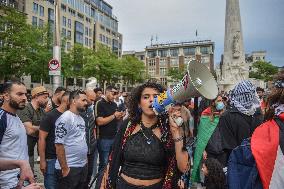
[(31, 141), (122, 184), (75, 179), (90, 169)]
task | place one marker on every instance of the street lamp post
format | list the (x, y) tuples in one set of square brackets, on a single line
[(56, 47)]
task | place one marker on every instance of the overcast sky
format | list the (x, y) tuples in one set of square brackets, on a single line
[(176, 21)]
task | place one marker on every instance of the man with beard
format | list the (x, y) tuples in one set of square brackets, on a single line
[(56, 98), (46, 142), (13, 139), (70, 143), (31, 116)]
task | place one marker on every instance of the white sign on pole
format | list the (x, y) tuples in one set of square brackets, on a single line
[(54, 72)]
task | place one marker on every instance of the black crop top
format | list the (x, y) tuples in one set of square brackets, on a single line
[(142, 160)]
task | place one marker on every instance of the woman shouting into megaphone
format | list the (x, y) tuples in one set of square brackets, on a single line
[(147, 151)]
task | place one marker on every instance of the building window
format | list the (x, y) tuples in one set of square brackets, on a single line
[(174, 52), (151, 54), (86, 31), (51, 14), (90, 32), (68, 46), (69, 34), (163, 53), (41, 10), (90, 42), (63, 7), (104, 39), (35, 8), (40, 23), (204, 50), (69, 23), (163, 81), (79, 32), (163, 62), (174, 62), (63, 32), (163, 71), (152, 72), (152, 63), (189, 51), (72, 12), (34, 21), (86, 41), (64, 21)]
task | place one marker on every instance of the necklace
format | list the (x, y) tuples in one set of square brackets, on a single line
[(148, 131)]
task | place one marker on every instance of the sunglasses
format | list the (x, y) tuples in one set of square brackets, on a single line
[(114, 92)]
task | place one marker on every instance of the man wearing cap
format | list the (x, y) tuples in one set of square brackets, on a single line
[(31, 116)]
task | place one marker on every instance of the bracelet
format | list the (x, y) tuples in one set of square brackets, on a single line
[(114, 116), (178, 139)]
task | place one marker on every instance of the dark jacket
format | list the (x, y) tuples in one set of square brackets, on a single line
[(242, 170), (89, 119), (235, 127)]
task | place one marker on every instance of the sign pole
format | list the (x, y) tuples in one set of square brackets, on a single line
[(56, 47)]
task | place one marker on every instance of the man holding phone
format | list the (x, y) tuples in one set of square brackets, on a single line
[(107, 117)]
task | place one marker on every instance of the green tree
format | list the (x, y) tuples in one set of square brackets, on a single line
[(102, 65), (19, 42), (263, 70), (131, 69), (176, 74)]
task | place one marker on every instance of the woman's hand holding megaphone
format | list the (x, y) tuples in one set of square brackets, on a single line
[(174, 127)]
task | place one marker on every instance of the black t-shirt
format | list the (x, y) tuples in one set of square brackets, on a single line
[(104, 108), (47, 124)]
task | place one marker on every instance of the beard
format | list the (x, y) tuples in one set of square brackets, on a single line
[(16, 105), (42, 105), (81, 109)]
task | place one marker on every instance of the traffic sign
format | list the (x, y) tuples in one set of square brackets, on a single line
[(53, 65), (55, 72)]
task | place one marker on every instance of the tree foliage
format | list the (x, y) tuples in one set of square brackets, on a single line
[(263, 70), (176, 74), (26, 50)]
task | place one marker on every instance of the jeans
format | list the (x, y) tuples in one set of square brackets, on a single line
[(50, 179), (104, 148), (31, 141), (96, 155)]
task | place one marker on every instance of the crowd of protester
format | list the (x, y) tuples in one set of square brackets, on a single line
[(106, 138)]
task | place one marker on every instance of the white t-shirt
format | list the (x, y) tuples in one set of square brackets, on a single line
[(70, 131), (13, 146)]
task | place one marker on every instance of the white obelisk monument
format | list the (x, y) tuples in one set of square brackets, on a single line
[(234, 68)]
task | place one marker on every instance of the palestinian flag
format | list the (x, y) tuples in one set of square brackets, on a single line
[(267, 145)]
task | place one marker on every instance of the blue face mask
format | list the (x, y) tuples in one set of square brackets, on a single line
[(220, 106)]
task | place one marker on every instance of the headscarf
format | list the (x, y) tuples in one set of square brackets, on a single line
[(244, 98)]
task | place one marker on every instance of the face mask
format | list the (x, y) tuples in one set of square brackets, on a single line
[(220, 106)]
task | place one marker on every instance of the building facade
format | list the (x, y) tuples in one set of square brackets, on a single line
[(85, 22), (160, 58)]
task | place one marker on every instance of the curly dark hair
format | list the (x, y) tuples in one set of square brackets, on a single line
[(134, 99), (216, 177), (276, 96)]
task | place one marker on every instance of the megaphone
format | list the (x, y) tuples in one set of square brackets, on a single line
[(198, 81)]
